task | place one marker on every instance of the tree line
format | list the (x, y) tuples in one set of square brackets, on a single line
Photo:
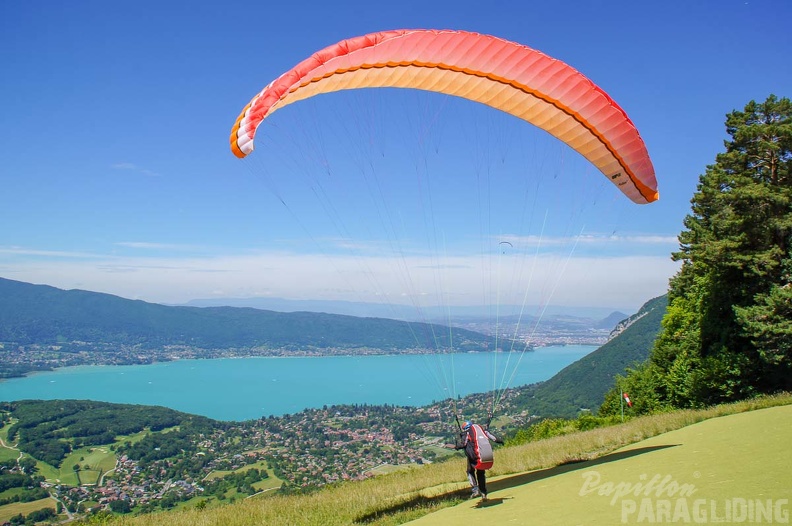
[(727, 332)]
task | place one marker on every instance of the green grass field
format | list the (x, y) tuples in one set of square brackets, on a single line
[(272, 482), (5, 428), (389, 468), (7, 452), (217, 474), (49, 473), (11, 492), (93, 461), (98, 459), (134, 439), (441, 452), (12, 510), (269, 483)]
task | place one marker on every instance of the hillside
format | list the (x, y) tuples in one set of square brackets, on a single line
[(583, 384), (40, 314), (541, 481)]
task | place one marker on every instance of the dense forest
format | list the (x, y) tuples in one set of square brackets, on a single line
[(49, 430), (727, 334)]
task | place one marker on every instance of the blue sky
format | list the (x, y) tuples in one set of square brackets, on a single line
[(117, 176)]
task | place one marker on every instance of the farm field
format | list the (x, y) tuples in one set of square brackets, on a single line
[(12, 510)]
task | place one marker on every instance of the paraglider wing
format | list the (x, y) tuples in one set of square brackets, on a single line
[(502, 74)]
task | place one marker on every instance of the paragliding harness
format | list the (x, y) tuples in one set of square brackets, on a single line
[(477, 445)]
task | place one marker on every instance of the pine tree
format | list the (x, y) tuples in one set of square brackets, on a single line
[(768, 324), (727, 332), (726, 335)]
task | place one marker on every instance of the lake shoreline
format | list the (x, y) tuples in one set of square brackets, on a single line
[(231, 354), (241, 388)]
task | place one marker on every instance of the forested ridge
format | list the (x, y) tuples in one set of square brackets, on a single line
[(40, 314), (727, 334), (583, 384)]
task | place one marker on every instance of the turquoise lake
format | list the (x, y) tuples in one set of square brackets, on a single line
[(247, 388)]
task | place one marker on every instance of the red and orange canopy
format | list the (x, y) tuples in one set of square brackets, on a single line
[(504, 75)]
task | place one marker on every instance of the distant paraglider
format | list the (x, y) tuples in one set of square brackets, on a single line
[(502, 74)]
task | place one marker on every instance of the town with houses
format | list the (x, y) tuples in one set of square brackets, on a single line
[(292, 453)]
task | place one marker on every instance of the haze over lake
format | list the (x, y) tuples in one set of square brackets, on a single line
[(247, 388)]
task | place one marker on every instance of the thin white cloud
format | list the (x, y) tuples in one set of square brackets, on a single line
[(158, 246), (345, 244), (442, 266), (621, 282), (589, 239), (645, 239), (134, 168), (22, 251)]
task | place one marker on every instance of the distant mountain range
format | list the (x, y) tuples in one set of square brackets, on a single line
[(403, 312), (40, 314)]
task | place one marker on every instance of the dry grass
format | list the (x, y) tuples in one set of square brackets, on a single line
[(399, 497)]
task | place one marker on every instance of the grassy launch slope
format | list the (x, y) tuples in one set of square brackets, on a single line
[(734, 468)]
